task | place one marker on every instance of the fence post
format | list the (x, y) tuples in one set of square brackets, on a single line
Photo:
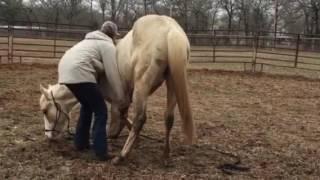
[(214, 46), (55, 41), (10, 42), (255, 51), (297, 51), (9, 49)]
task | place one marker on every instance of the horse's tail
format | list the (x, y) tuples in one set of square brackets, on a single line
[(178, 52)]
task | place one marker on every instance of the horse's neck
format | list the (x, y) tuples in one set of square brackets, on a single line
[(65, 97), (124, 61), (70, 103)]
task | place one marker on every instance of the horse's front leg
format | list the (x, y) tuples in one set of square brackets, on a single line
[(140, 96), (119, 119)]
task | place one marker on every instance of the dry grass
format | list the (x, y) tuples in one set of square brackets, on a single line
[(270, 122)]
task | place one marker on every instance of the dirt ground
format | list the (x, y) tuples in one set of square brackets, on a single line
[(248, 125)]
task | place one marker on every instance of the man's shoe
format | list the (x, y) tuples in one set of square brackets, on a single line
[(82, 148), (103, 157)]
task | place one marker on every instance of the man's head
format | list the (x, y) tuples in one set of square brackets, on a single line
[(110, 29)]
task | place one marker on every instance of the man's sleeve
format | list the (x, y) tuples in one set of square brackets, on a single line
[(112, 71)]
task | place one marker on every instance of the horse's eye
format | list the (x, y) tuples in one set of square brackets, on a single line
[(44, 111)]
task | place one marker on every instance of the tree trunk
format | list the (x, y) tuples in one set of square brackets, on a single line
[(145, 7), (103, 14), (306, 23), (197, 22), (275, 22), (155, 10), (91, 10), (246, 24), (126, 12), (316, 19), (57, 17), (244, 12), (113, 10), (186, 25), (229, 22)]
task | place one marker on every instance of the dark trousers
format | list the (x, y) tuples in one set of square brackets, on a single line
[(92, 102)]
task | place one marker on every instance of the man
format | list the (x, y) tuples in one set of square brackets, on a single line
[(79, 69)]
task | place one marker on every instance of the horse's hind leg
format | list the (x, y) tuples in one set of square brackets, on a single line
[(169, 117)]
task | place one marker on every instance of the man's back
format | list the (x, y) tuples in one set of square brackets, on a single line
[(83, 62)]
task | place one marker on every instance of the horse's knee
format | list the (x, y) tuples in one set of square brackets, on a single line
[(139, 122)]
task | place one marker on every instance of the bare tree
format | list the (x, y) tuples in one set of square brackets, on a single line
[(310, 10), (47, 10), (200, 11), (145, 6), (229, 7), (72, 9), (10, 9), (154, 6), (91, 10), (116, 7), (244, 11), (132, 12), (103, 6), (250, 15), (260, 15), (214, 11), (314, 6)]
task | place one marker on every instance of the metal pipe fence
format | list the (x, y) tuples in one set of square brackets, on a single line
[(257, 50), (253, 50)]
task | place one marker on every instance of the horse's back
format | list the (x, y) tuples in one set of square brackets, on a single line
[(153, 30), (150, 38), (145, 44)]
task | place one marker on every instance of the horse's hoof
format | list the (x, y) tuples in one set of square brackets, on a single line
[(113, 136), (116, 160), (165, 163)]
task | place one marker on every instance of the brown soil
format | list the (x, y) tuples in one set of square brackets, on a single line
[(270, 123)]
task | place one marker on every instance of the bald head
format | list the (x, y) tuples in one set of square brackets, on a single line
[(110, 29)]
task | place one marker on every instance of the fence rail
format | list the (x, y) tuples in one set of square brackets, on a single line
[(258, 50), (254, 50)]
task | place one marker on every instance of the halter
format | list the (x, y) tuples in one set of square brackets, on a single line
[(58, 115)]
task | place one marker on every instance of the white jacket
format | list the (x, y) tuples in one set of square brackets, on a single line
[(90, 59)]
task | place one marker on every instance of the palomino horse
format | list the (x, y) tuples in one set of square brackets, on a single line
[(154, 51)]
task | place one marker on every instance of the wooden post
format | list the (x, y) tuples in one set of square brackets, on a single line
[(276, 4), (55, 41), (11, 48), (10, 43), (9, 34), (255, 51), (214, 46), (297, 51)]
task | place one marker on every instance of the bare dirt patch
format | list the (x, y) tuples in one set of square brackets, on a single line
[(271, 123)]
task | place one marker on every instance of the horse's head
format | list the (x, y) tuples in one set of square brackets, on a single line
[(55, 114)]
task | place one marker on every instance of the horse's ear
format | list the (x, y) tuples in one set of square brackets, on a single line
[(44, 91)]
